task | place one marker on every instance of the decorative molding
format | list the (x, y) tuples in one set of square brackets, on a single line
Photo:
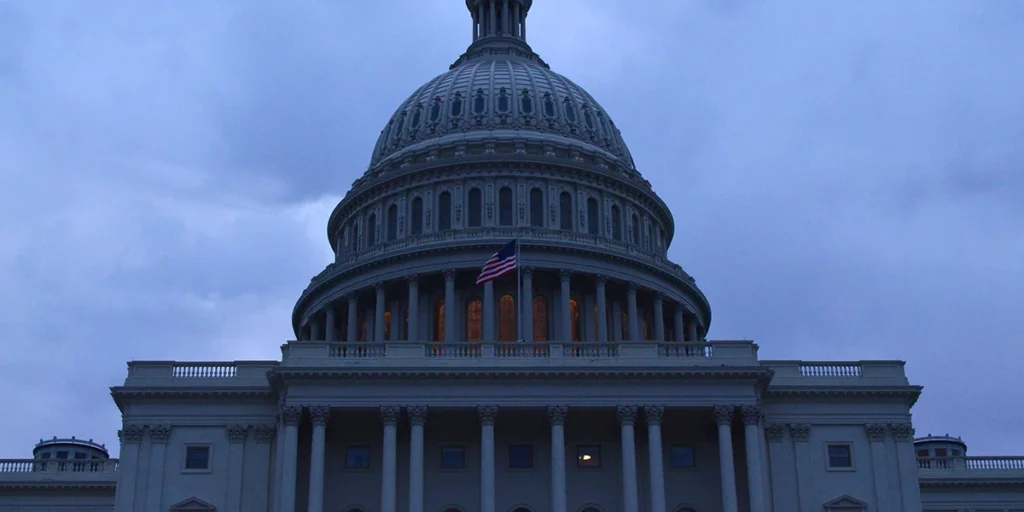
[(626, 414), (159, 433), (417, 414), (906, 394), (724, 414), (379, 287), (390, 414), (412, 279), (319, 415), (292, 414), (653, 414), (557, 414), (600, 279), (565, 274), (449, 274), (876, 431), (800, 432), (237, 433), (132, 434), (264, 434), (487, 414), (775, 432), (751, 414), (902, 432), (527, 272)]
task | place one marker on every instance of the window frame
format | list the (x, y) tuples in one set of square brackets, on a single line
[(533, 457), (369, 457), (596, 447), (671, 457), (209, 458), (828, 456), (440, 457)]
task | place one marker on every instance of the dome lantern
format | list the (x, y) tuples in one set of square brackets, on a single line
[(501, 22)]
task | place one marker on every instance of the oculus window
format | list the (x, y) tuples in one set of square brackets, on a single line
[(588, 456), (520, 456), (840, 456), (357, 457), (682, 457)]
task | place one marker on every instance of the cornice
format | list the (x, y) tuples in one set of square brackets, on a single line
[(110, 485), (936, 483), (124, 396), (907, 394)]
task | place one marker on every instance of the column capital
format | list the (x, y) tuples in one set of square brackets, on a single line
[(389, 414), (876, 431), (653, 414), (379, 287), (449, 275), (564, 274), (800, 432), (487, 414), (264, 434), (631, 288), (319, 414), (601, 279), (751, 414), (902, 432), (658, 296), (526, 271), (775, 432), (724, 414), (680, 310), (352, 296), (237, 433), (557, 414), (626, 414), (159, 433), (413, 279), (417, 414), (291, 414)]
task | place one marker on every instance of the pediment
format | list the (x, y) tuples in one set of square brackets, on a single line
[(844, 503), (193, 504)]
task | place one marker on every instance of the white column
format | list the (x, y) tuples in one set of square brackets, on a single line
[(634, 321), (259, 496), (292, 414), (449, 306), (723, 417), (487, 414), (659, 317), (490, 334), (331, 327), (236, 462), (414, 308), (602, 309), (378, 312), (565, 312), (389, 415), (755, 475), (128, 468), (352, 330), (627, 418), (158, 436), (319, 416), (526, 306), (417, 418), (655, 456), (559, 498)]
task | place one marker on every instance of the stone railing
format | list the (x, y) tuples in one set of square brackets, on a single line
[(838, 372), (50, 466), (1015, 463), (402, 353), (225, 373)]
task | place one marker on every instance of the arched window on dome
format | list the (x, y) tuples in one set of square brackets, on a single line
[(540, 318), (565, 211), (526, 103), (474, 321), (507, 318), (647, 236), (435, 110), (416, 216), (392, 222), (387, 325), (444, 211), (616, 222), (588, 119), (634, 234), (536, 207), (505, 206), (364, 330), (475, 210), (570, 110), (574, 309), (593, 217), (504, 104), (398, 128), (549, 105), (439, 334), (414, 123), (371, 230), (646, 328), (479, 102), (353, 237), (456, 111)]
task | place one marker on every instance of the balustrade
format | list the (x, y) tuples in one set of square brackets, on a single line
[(972, 463)]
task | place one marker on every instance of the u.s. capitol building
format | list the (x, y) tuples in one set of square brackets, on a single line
[(585, 385)]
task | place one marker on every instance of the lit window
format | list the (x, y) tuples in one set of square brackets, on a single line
[(840, 456), (197, 457), (507, 318), (588, 456), (357, 457), (474, 321), (682, 457), (540, 318), (453, 457), (520, 456)]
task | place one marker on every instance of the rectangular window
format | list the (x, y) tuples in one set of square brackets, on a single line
[(840, 456), (922, 453), (453, 457), (80, 456), (197, 457), (940, 452), (62, 455), (588, 456), (45, 455), (357, 457), (520, 456), (682, 456)]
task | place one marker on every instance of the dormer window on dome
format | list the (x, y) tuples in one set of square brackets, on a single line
[(503, 103), (435, 112), (526, 103)]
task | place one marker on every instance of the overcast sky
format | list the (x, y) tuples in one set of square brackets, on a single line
[(846, 178)]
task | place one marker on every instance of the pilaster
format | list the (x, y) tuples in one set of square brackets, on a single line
[(801, 434), (723, 418), (158, 437), (128, 468), (258, 496), (755, 475), (236, 453)]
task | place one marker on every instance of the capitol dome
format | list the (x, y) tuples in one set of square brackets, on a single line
[(501, 148)]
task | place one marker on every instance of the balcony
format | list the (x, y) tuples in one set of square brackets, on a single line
[(942, 471), (33, 471)]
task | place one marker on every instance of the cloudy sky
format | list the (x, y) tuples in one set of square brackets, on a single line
[(846, 178)]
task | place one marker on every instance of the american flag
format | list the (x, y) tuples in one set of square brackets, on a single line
[(503, 262)]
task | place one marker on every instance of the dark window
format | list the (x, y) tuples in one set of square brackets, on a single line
[(439, 320), (503, 104), (634, 236), (574, 316), (526, 103), (616, 223), (475, 321), (357, 457), (588, 119), (354, 234), (417, 216), (457, 105), (435, 110), (840, 456), (371, 228), (45, 455), (505, 206), (80, 456), (507, 318), (398, 127), (540, 318), (520, 456), (197, 457), (570, 111), (453, 457), (475, 212), (682, 456), (588, 456), (479, 102), (956, 453), (444, 211), (536, 208), (62, 455), (922, 453), (940, 452), (593, 216), (565, 211), (549, 105), (392, 222), (415, 123)]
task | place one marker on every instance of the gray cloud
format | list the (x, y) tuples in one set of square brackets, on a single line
[(846, 178)]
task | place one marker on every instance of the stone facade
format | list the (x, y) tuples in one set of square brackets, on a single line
[(583, 382)]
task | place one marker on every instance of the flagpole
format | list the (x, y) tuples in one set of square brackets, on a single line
[(519, 294)]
